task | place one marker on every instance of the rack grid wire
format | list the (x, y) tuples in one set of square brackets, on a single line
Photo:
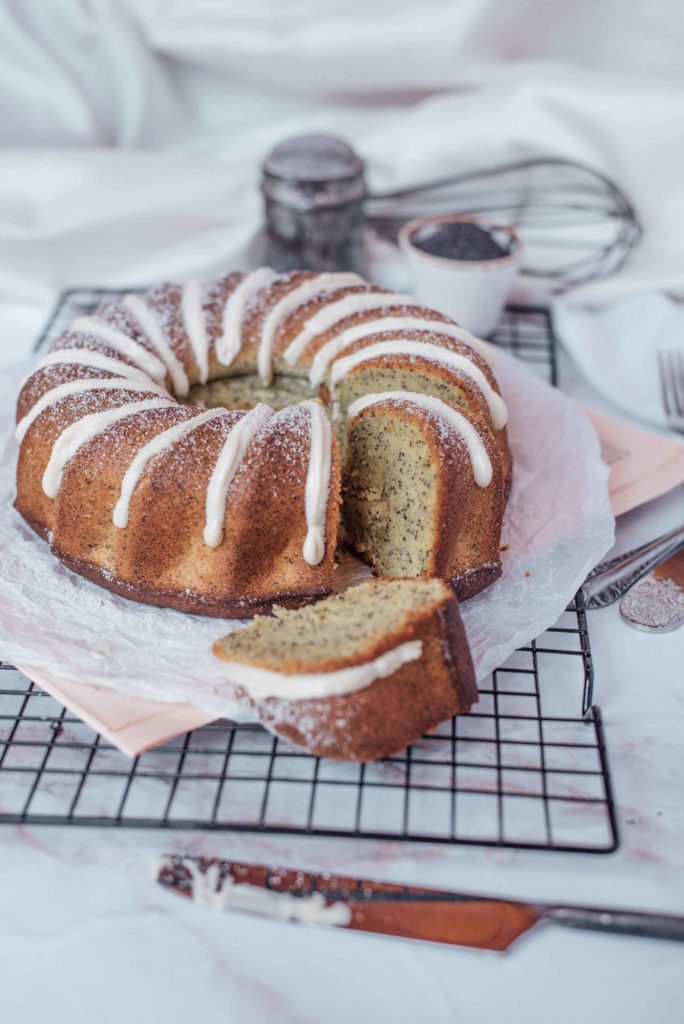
[(527, 768)]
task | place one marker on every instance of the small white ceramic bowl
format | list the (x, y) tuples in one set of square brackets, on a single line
[(472, 292)]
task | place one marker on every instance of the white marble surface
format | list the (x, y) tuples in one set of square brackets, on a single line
[(85, 934)]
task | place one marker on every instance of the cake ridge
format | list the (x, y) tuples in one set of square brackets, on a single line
[(153, 448), (479, 458), (85, 428), (86, 357), (196, 326), (227, 464), (425, 350), (303, 292), (143, 315), (73, 388), (317, 482), (229, 343), (137, 353), (324, 319), (334, 346)]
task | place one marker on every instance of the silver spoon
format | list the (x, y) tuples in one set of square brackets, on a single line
[(656, 603)]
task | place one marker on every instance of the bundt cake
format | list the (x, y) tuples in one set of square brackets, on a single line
[(177, 447), (400, 665)]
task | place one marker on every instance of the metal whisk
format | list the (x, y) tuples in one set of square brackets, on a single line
[(576, 223)]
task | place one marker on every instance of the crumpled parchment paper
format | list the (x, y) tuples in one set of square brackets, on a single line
[(558, 525)]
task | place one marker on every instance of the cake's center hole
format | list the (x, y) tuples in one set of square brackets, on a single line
[(246, 392)]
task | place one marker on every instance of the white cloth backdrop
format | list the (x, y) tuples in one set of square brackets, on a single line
[(131, 132), (132, 128)]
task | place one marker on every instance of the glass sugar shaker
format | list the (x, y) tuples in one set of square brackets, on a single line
[(314, 190)]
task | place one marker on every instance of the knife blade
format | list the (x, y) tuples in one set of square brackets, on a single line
[(656, 603), (409, 912)]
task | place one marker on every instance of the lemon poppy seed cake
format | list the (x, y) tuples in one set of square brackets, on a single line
[(180, 447), (400, 666)]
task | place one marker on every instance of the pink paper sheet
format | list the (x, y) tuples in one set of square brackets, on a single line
[(131, 724), (642, 465)]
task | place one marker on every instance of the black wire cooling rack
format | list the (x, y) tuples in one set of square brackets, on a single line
[(527, 768)]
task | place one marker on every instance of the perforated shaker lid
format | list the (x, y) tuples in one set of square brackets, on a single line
[(313, 170)]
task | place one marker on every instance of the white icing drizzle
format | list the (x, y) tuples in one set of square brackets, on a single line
[(228, 346), (227, 464), (331, 314), (148, 452), (76, 435), (209, 890), (86, 357), (78, 387), (141, 312), (303, 293), (119, 341), (455, 360), (317, 482), (261, 683), (334, 346), (481, 463), (196, 326)]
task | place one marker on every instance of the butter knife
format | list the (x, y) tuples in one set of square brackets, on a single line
[(408, 912)]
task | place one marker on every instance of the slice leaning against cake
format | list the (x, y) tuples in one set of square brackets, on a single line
[(357, 676)]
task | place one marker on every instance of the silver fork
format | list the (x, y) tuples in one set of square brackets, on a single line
[(671, 373), (611, 580)]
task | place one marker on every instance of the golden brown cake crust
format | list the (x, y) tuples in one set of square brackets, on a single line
[(195, 603)]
